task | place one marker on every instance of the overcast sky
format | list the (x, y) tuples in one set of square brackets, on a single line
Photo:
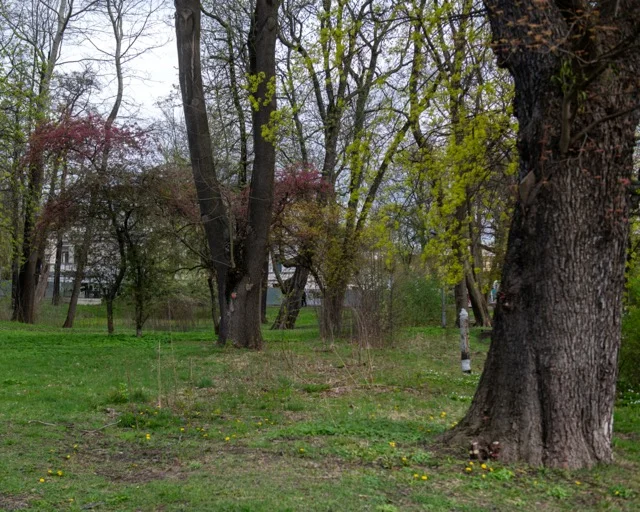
[(149, 77)]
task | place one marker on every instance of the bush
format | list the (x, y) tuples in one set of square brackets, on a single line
[(416, 301), (629, 377)]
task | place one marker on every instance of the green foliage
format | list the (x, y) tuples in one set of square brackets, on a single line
[(629, 377), (417, 299)]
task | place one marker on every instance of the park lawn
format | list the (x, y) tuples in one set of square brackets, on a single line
[(171, 422)]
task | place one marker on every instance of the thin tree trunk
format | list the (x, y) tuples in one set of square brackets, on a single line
[(139, 312), (292, 299), (81, 264), (214, 309), (57, 268), (479, 304), (461, 296), (43, 282), (263, 293), (109, 302)]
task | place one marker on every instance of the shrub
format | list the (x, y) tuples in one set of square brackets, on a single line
[(629, 377), (416, 301)]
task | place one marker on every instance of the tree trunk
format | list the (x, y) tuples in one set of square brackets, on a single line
[(212, 209), (110, 328), (214, 309), (331, 313), (75, 291), (264, 290), (139, 312), (43, 282), (461, 296), (57, 267), (24, 308), (245, 323), (548, 388), (81, 264), (479, 304), (292, 299)]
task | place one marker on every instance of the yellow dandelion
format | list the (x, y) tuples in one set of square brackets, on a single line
[(424, 477), (483, 466), (392, 444), (227, 438), (75, 446), (259, 423), (68, 456), (301, 450), (147, 436), (468, 469), (490, 470), (50, 472), (431, 417), (443, 414), (59, 473), (41, 480), (404, 459), (181, 429), (470, 463), (578, 482), (416, 475), (484, 476)]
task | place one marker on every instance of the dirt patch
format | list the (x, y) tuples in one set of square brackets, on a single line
[(130, 464), (12, 502), (336, 392)]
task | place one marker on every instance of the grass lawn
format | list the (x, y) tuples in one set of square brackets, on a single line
[(170, 422)]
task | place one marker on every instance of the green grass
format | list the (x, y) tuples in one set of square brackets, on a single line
[(170, 422)]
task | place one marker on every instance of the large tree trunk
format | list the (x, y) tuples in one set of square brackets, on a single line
[(212, 209), (245, 325), (24, 307), (548, 388)]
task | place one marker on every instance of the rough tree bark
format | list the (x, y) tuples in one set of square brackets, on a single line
[(212, 209), (292, 294), (25, 294), (548, 388), (239, 289), (245, 320)]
